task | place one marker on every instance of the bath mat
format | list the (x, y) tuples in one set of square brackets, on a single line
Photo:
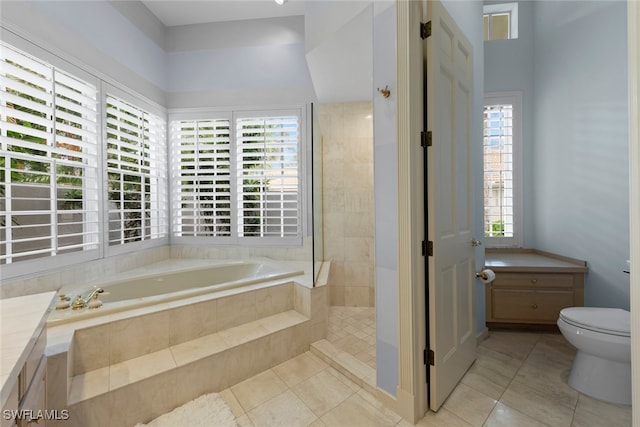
[(208, 410)]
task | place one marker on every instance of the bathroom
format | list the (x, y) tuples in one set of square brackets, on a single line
[(596, 172)]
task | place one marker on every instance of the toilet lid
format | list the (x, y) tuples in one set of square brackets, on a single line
[(613, 321)]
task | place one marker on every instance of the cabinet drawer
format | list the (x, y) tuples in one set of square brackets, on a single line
[(35, 357), (11, 405), (529, 306), (530, 280)]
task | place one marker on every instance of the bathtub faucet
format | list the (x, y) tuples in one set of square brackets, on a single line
[(81, 302)]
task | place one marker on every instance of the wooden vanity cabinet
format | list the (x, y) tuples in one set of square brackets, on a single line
[(28, 394), (531, 287), (23, 339)]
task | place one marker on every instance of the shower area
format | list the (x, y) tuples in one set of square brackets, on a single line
[(343, 137)]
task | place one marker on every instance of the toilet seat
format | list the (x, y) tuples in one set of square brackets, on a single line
[(613, 321)]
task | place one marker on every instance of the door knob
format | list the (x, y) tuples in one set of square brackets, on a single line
[(475, 242)]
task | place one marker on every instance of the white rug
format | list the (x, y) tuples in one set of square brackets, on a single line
[(208, 410)]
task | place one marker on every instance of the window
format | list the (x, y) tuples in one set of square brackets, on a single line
[(500, 21), (237, 178), (137, 173), (502, 169), (49, 203), (201, 177)]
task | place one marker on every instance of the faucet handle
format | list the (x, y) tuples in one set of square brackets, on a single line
[(78, 303), (63, 302), (95, 302)]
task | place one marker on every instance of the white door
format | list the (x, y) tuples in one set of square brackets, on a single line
[(451, 272)]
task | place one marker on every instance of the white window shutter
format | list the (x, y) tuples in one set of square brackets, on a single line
[(137, 173), (267, 176), (48, 160), (201, 174)]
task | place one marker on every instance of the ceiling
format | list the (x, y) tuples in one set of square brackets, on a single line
[(185, 12)]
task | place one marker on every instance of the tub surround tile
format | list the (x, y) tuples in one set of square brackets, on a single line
[(95, 412), (91, 348), (144, 400), (88, 385), (193, 350), (202, 376), (56, 390), (284, 320), (236, 310), (251, 358), (130, 338), (243, 334), (134, 370), (193, 321), (209, 363), (273, 300)]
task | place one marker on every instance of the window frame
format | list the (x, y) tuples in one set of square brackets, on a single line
[(502, 8), (149, 108), (513, 98), (102, 83), (233, 114), (26, 267)]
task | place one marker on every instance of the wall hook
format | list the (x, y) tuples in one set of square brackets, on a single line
[(385, 92)]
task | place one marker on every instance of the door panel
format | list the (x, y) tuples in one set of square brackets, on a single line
[(451, 268)]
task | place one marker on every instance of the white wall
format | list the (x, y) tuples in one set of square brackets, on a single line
[(580, 161), (509, 66), (239, 63), (95, 36), (385, 163), (574, 85)]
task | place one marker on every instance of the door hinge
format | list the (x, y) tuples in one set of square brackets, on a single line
[(429, 357), (427, 248), (426, 139), (425, 30)]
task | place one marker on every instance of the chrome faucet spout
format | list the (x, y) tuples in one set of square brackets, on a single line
[(81, 302), (91, 294)]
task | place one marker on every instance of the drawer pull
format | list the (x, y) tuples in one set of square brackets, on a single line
[(534, 306), (534, 281)]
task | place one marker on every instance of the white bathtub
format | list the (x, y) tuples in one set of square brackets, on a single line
[(172, 280)]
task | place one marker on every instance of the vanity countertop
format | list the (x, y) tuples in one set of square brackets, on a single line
[(531, 260), (21, 321)]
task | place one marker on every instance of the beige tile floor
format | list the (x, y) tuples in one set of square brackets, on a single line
[(518, 379), (353, 329)]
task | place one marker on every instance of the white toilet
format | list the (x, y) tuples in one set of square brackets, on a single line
[(602, 366)]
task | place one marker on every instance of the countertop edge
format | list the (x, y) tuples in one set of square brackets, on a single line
[(43, 302)]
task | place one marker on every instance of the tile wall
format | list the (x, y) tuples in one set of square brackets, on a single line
[(347, 131)]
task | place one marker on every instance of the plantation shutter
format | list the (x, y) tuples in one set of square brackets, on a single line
[(498, 171), (48, 160), (137, 173), (201, 174), (267, 181)]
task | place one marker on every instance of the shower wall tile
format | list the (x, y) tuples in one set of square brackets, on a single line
[(347, 131)]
